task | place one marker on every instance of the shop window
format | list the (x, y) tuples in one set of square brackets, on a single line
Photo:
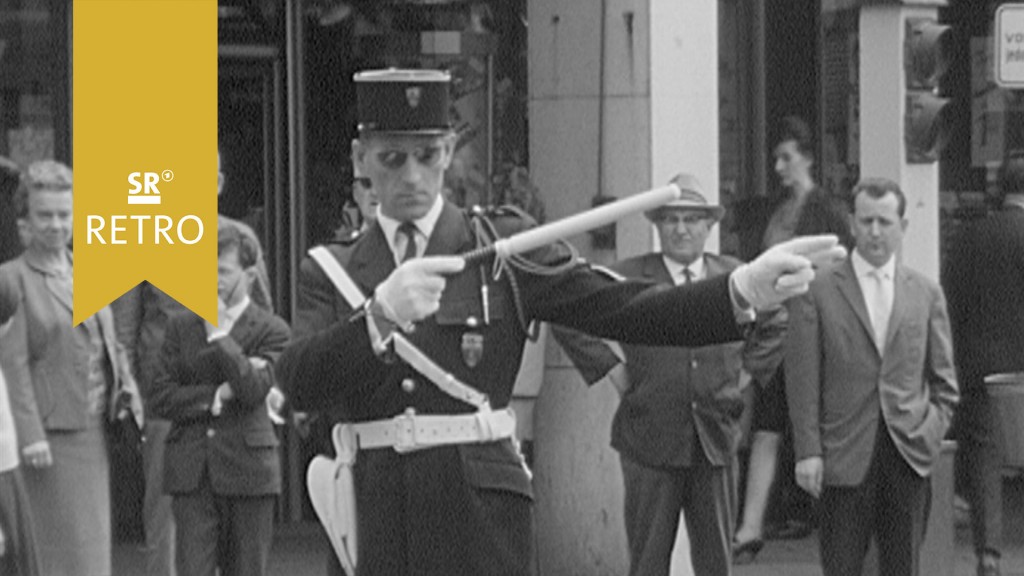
[(34, 94), (34, 80), (483, 45)]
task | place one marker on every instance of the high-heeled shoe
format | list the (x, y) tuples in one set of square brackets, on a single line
[(746, 552)]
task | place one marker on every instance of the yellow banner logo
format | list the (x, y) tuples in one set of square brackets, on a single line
[(145, 151)]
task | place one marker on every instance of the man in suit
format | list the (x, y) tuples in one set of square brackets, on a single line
[(984, 280), (677, 427), (221, 461), (871, 386), (442, 489)]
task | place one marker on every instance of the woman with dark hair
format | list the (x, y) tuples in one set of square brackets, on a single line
[(801, 208)]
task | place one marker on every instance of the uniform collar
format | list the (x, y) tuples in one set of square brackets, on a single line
[(675, 269), (424, 225)]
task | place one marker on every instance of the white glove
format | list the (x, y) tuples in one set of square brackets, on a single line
[(413, 291), (785, 270), (275, 402)]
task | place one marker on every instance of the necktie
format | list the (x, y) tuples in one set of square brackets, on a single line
[(879, 306), (408, 230), (687, 275)]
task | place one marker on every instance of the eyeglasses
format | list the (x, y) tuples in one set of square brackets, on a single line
[(427, 156), (677, 219)]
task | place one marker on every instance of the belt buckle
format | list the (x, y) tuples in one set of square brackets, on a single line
[(405, 431)]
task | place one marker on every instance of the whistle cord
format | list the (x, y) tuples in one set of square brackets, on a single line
[(509, 266)]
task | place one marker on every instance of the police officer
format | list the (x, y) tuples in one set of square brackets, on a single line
[(440, 486)]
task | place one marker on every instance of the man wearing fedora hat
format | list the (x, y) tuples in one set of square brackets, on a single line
[(428, 443), (677, 426)]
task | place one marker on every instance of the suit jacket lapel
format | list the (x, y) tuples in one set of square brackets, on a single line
[(850, 289), (654, 269), (49, 281), (900, 302), (371, 260), (713, 266), (241, 330), (62, 296), (450, 235)]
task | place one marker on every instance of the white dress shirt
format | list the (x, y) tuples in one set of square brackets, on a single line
[(231, 315), (878, 287), (424, 228), (678, 271)]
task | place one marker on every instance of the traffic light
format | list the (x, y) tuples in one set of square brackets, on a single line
[(925, 130), (925, 62)]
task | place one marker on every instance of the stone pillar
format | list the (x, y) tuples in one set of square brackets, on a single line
[(883, 102), (623, 95)]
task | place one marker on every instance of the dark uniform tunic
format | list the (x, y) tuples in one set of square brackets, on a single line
[(463, 509)]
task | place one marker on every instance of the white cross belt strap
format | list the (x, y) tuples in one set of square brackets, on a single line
[(405, 350), (331, 484)]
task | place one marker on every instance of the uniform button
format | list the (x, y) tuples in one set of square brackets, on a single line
[(693, 405), (693, 364), (210, 432), (472, 322), (409, 385)]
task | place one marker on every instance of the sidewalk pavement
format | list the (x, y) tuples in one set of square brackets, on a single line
[(300, 550), (800, 557)]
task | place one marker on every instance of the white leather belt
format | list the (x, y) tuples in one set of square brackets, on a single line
[(410, 431)]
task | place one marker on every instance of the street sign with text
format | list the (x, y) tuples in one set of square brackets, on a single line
[(1009, 46)]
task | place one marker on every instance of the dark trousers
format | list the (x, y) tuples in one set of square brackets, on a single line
[(979, 466), (891, 505), (654, 499), (230, 532)]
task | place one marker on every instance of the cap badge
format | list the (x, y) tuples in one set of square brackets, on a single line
[(412, 96)]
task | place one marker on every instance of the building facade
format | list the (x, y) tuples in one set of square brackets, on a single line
[(560, 105)]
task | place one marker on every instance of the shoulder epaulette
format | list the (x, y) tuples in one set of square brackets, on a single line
[(606, 272), (505, 220)]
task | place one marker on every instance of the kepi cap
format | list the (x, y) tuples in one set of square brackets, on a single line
[(692, 198), (403, 101)]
